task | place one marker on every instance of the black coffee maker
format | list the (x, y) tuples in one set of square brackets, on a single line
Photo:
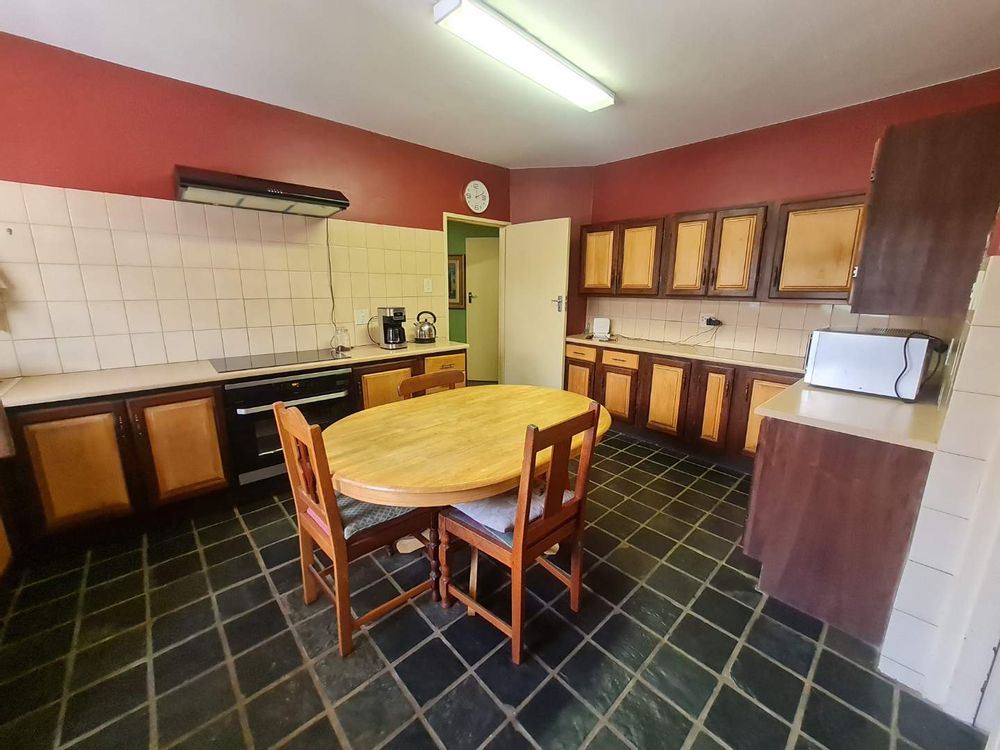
[(391, 334)]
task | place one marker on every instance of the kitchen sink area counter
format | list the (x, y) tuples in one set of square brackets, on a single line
[(45, 389)]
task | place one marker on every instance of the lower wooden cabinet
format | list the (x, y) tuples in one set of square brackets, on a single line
[(76, 457), (665, 394), (378, 384), (708, 405), (618, 391), (753, 388), (440, 362), (179, 443)]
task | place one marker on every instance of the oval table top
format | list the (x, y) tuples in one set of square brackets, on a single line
[(447, 447)]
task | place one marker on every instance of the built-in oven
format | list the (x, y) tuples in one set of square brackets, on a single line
[(323, 397)]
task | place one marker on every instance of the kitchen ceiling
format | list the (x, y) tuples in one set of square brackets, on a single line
[(683, 71)]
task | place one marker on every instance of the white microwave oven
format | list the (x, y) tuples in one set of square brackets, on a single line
[(886, 362)]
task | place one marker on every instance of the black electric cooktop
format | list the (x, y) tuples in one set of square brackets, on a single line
[(254, 361)]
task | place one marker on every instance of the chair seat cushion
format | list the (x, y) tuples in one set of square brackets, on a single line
[(356, 516), (497, 513)]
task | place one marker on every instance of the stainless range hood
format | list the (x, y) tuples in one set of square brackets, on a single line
[(237, 191)]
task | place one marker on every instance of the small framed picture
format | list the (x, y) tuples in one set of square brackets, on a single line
[(456, 282)]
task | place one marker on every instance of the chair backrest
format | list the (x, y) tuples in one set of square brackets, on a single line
[(558, 439), (418, 384), (309, 475)]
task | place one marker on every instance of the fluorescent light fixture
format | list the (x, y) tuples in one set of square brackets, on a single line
[(503, 40)]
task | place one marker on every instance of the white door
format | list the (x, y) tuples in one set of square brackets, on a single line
[(482, 308), (535, 281)]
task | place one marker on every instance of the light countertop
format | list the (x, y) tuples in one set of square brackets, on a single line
[(45, 389), (780, 362), (888, 420)]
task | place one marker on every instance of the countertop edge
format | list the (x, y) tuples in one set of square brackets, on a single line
[(37, 390)]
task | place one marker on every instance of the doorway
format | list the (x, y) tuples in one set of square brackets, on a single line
[(475, 317)]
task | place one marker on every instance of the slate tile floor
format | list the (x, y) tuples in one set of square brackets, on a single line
[(196, 636)]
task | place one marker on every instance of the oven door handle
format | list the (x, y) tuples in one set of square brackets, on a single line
[(293, 402)]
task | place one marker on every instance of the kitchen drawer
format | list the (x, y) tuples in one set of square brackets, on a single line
[(582, 353), (444, 362), (628, 360)]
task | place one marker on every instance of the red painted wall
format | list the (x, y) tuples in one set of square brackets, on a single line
[(813, 156), (75, 121), (537, 194)]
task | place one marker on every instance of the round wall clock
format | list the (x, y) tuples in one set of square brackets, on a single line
[(477, 197)]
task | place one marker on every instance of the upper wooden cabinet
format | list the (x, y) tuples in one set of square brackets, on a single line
[(180, 443), (753, 388), (664, 398), (688, 257), (621, 258), (736, 245), (74, 455), (816, 247), (708, 406), (933, 201)]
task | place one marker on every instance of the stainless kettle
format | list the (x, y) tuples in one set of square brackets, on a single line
[(426, 331)]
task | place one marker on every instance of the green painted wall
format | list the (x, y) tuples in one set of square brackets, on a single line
[(458, 233)]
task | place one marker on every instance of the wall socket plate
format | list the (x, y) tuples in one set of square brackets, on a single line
[(428, 286), (361, 316)]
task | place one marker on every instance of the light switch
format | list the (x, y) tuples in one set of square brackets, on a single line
[(361, 316), (428, 287)]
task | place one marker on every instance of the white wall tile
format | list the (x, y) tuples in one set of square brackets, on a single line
[(94, 246), (78, 354), (938, 540), (148, 348), (12, 203), (260, 340), (280, 311), (137, 282), (16, 244), (277, 284), (179, 346), (9, 367), (872, 322), (143, 317), (196, 252), (158, 216), (305, 337), (125, 212), (788, 341), (87, 209), (227, 284), (101, 282), (224, 253), (54, 244), (208, 344), (817, 316), (204, 315), (62, 282), (271, 227), (220, 222), (131, 248), (953, 483), (190, 219), (298, 257), (235, 342), (164, 250), (908, 640), (295, 229), (769, 315), (923, 592), (843, 318), (200, 283), (46, 205), (114, 351), (232, 314), (175, 315), (275, 256), (37, 357), (909, 677), (24, 282), (970, 425), (254, 284), (247, 224), (766, 340), (170, 283), (792, 316), (29, 320), (356, 236), (250, 254), (70, 319), (257, 312), (979, 369), (108, 317)]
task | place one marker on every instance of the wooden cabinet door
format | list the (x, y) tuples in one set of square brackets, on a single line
[(753, 387), (639, 272), (665, 394), (378, 384), (180, 440), (816, 248), (736, 247), (445, 362), (597, 257), (75, 458), (688, 257), (579, 377), (932, 203), (708, 406), (618, 391)]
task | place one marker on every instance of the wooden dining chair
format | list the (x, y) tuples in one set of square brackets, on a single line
[(342, 527), (516, 528), (417, 385)]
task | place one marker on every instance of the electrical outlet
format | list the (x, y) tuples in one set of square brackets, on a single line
[(428, 286), (709, 320), (361, 316)]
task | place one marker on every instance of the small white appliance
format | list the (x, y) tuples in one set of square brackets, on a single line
[(602, 329), (870, 362)]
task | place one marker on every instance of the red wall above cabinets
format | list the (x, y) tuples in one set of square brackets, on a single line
[(75, 121), (818, 155)]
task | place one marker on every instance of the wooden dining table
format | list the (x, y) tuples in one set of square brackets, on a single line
[(445, 448)]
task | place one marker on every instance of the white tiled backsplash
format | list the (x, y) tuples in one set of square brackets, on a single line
[(92, 281), (767, 327)]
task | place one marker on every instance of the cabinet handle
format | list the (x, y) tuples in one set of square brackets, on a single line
[(746, 391), (777, 275), (703, 277), (137, 421), (121, 427), (711, 278)]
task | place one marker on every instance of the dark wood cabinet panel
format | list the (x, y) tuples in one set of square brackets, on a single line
[(753, 387), (831, 516), (932, 204)]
